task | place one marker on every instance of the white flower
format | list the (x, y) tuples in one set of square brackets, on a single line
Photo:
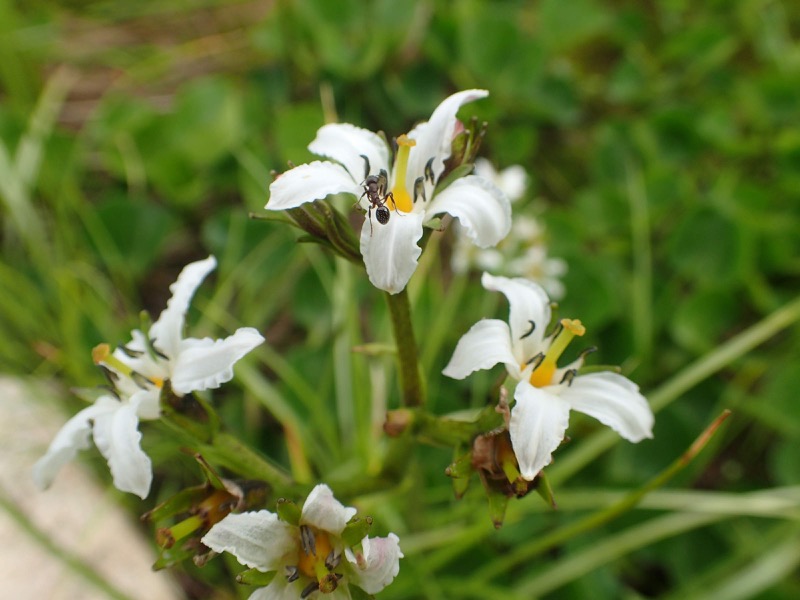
[(308, 557), (545, 393), (139, 371), (390, 250), (513, 180), (523, 253)]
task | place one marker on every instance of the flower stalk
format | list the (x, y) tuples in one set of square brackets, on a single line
[(412, 393)]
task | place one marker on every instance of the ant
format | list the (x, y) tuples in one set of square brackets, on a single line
[(375, 191)]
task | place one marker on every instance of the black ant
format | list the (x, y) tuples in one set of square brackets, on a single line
[(375, 191)]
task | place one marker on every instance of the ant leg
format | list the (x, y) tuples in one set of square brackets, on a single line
[(369, 216), (390, 196), (358, 201)]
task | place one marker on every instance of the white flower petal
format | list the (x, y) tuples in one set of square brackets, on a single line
[(116, 435), (207, 364), (383, 563), (487, 343), (148, 403), (167, 331), (613, 400), (348, 144), (73, 436), (390, 251), (434, 138), (537, 425), (143, 364), (309, 182), (512, 180), (325, 512), (278, 589), (258, 539), (483, 211), (528, 303)]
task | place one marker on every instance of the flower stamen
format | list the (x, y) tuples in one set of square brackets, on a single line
[(402, 199), (542, 374)]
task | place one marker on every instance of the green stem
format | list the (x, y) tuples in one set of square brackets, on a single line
[(229, 452), (407, 355)]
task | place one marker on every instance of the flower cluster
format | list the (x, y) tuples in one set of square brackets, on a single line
[(545, 393), (410, 187), (523, 252), (320, 549), (429, 178), (139, 372)]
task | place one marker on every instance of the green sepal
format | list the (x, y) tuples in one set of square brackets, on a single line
[(172, 556), (461, 466), (460, 471), (210, 474), (327, 226), (307, 221), (256, 577), (339, 232), (273, 217), (457, 173), (544, 489), (190, 413), (288, 512), (356, 530), (498, 502), (180, 502)]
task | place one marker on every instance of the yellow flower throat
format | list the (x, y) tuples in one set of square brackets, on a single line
[(542, 375)]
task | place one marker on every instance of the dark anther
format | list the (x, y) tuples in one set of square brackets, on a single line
[(558, 329), (292, 573), (111, 390), (536, 361), (308, 540), (530, 331), (130, 352), (158, 352), (429, 169), (419, 189), (110, 375), (587, 352), (332, 560), (309, 589), (569, 376), (142, 381), (366, 165)]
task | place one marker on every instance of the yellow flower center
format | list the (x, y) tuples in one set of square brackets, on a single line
[(542, 375), (313, 563), (101, 355), (402, 199)]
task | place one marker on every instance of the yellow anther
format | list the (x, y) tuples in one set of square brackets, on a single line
[(100, 353), (574, 326)]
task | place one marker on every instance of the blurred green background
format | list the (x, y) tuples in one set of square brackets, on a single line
[(662, 140)]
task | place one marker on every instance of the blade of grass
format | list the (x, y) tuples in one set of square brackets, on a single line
[(527, 551)]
